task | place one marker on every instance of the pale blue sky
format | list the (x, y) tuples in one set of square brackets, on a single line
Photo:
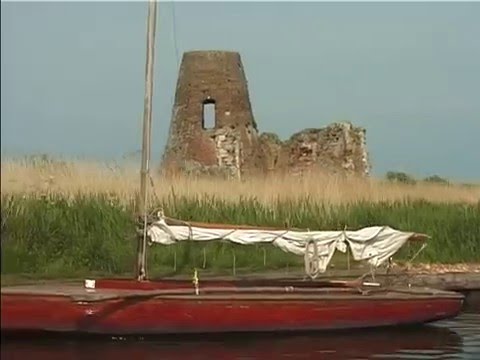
[(72, 79)]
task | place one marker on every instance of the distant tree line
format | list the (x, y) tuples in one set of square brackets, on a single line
[(404, 178)]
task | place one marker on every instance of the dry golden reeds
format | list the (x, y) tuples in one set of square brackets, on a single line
[(26, 177)]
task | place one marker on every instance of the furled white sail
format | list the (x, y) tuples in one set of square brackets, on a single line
[(374, 244)]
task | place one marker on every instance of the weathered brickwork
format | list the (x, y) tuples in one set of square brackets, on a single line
[(233, 147)]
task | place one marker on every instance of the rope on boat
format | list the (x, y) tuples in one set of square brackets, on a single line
[(403, 270), (195, 281), (312, 267)]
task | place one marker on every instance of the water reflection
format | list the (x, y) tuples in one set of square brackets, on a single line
[(425, 342)]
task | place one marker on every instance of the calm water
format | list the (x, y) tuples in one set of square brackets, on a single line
[(455, 339)]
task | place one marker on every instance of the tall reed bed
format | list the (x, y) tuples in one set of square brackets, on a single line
[(43, 175), (58, 235)]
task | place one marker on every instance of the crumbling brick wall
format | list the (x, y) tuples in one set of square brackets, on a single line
[(338, 148), (233, 148)]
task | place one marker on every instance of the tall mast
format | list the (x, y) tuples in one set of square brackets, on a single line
[(147, 123)]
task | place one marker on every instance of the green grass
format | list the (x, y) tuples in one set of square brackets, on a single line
[(53, 236)]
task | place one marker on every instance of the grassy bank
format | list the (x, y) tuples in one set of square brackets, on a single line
[(62, 219), (55, 235)]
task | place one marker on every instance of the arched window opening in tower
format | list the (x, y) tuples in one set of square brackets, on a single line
[(209, 121)]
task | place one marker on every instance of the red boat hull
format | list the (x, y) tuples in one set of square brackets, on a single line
[(225, 312)]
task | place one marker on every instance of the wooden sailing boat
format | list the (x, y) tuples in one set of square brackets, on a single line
[(140, 306)]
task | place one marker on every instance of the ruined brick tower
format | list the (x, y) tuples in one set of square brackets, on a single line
[(229, 145)]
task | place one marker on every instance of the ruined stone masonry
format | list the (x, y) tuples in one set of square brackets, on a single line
[(232, 147)]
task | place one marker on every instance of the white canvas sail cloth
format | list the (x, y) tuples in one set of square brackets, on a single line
[(374, 244)]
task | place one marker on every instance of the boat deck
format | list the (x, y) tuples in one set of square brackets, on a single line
[(123, 289)]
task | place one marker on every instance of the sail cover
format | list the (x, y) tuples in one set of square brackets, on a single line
[(375, 244)]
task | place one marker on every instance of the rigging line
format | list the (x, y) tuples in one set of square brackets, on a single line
[(172, 95), (174, 32), (177, 62)]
